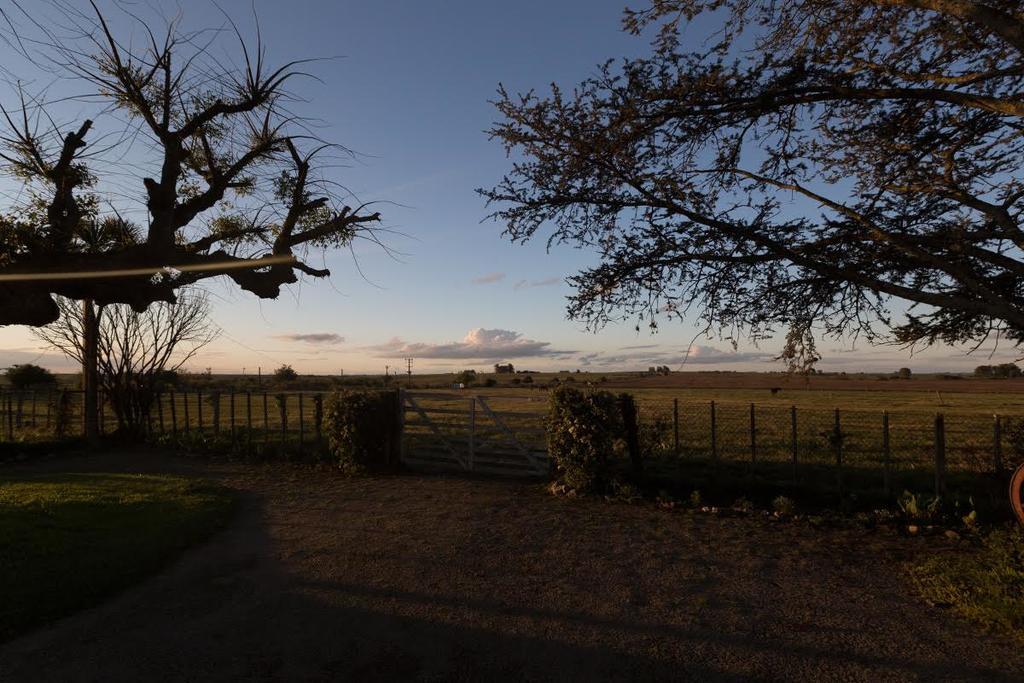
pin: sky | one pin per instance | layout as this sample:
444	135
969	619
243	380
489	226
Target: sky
408	89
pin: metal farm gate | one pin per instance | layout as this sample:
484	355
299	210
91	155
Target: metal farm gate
495	435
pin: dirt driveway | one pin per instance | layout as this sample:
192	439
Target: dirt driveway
432	578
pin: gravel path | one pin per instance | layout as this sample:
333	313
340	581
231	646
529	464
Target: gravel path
434	578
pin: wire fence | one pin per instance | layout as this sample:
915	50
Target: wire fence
888	444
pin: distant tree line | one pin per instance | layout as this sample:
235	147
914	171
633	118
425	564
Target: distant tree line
1001	371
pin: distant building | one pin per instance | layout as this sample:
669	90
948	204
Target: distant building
506	369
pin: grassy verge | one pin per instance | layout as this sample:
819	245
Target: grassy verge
986	586
68	540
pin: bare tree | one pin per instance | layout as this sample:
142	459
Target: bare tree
134	350
805	164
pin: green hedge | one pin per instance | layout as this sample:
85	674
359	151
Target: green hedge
362	429
583	427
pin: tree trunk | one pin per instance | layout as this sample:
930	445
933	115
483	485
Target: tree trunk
90	376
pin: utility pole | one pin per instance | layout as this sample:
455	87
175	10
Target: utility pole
408	366
387	373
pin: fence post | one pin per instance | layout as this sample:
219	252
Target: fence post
318	416
10	417
188	427
401	425
282	401
231	414
199	409
838	436
248	422
714	434
302	427
753	436
472	431
997	443
34	423
675	427
793	441
940	454
266	421
49	406
174	417
627	406
215	398
886	456
160	410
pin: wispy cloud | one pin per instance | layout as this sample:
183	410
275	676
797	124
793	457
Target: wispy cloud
654	354
488	279
546	282
477	344
311	337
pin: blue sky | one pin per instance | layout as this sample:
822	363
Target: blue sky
409	92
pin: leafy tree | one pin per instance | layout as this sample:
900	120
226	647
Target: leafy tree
807	164
285	373
904	373
466	377
28	375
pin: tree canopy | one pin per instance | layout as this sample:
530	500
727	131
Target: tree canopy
806	164
230	179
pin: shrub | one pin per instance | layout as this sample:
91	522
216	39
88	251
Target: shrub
28	375
903	373
582	429
285	373
490	382
466	377
784	506
362	429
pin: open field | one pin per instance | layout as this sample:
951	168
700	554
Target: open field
436	578
69	540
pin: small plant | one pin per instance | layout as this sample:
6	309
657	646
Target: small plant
916	508
783	506
743	505
695	500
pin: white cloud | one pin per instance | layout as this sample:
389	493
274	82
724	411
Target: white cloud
477	344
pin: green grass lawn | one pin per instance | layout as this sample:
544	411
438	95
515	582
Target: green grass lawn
68	540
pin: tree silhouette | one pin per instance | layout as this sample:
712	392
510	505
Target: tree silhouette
806	165
239	185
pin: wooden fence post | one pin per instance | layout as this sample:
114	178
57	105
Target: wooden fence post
793	441
49	406
838	437
302	427
266	421
753	436
318	417
199	409
160	410
940	455
215	402
997	443
188	427
248	422
675	427
472	432
33	400
231	414
174	417
282	401
10	418
714	434
627	406
886	456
